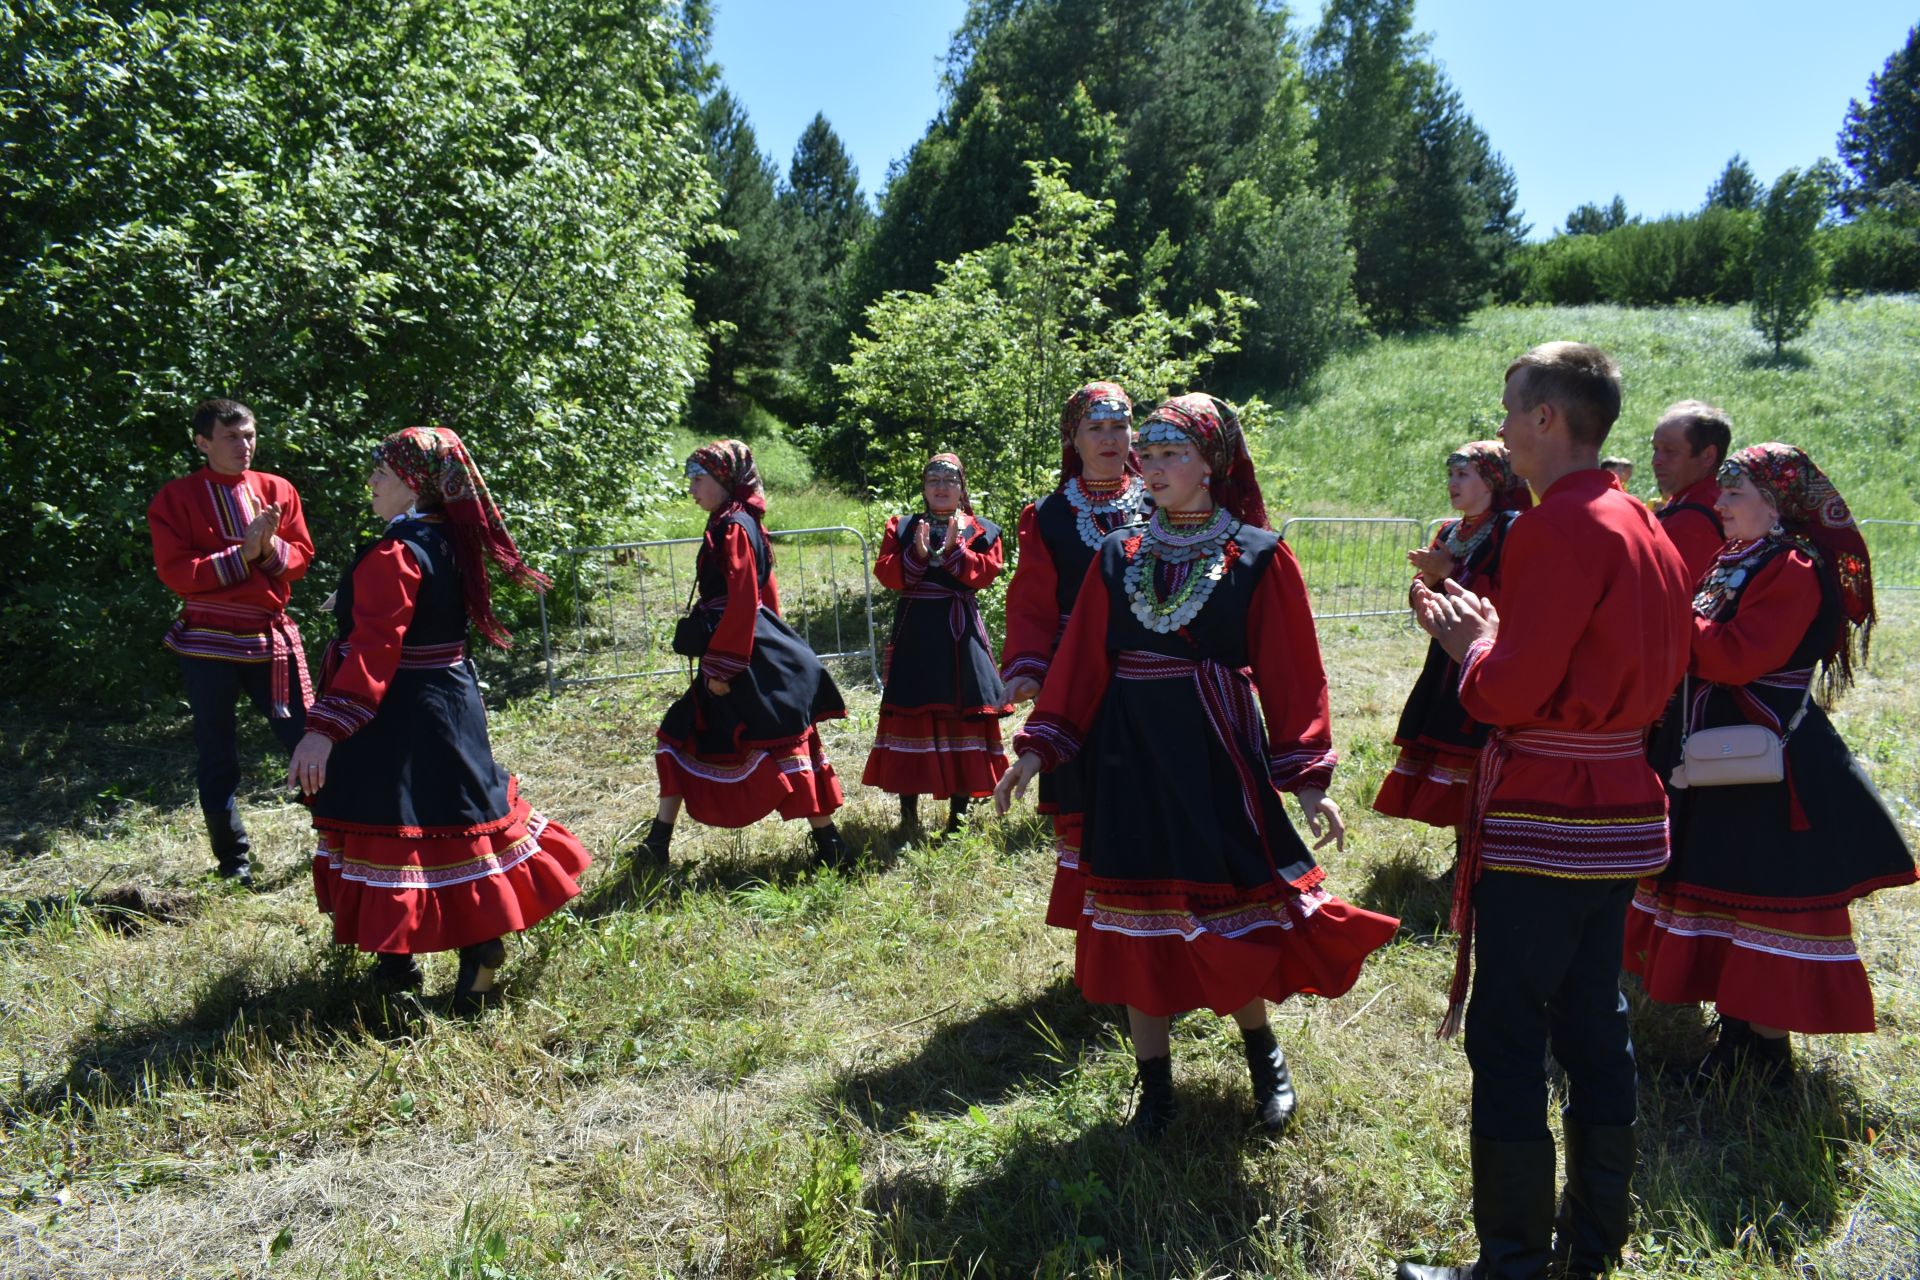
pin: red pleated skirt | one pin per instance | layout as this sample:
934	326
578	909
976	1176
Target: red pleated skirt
936	753
792	779
419	893
1428	784
1794	969
1067	900
1167	962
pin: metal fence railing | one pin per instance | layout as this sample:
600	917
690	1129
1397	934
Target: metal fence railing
624	598
1895	545
1355	567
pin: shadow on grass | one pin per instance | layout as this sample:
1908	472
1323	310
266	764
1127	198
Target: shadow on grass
1791	359
114	1064
60	772
123	909
1416	890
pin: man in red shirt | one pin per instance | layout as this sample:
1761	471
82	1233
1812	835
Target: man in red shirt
231	542
1689	444
1566	814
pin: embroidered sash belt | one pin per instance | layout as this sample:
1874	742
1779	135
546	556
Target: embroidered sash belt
281	637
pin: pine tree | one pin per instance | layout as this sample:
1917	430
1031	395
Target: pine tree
827	216
1736	187
1880	142
1788	274
1591	219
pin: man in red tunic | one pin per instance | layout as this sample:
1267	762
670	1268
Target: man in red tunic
231	542
1565	815
1689	444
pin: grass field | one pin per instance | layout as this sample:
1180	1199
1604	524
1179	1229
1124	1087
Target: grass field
749	1069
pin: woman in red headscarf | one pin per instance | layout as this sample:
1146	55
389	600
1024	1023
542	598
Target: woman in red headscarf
1751	913
1438	741
1190	681
1099	491
740	743
425	842
940	713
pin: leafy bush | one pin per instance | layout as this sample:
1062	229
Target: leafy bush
353	217
1878	252
1699	257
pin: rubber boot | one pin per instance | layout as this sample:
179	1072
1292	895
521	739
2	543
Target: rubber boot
1596	1210
1512	1214
1273	1097
829	848
1154	1112
474	986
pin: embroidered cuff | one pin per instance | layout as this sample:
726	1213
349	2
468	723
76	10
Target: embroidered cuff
231	566
913	564
1309	769
715	665
338	718
1027	665
1475	651
1050	739
274	562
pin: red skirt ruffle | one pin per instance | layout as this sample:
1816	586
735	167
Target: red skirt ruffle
1428	784
1167	962
794	780
1797	970
936	753
414	894
1067	900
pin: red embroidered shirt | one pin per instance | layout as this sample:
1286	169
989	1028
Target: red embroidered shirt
1693	532
229	604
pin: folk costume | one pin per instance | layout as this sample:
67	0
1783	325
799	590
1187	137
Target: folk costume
1693	526
233	634
1189	682
425	843
1438	741
1058	537
940	711
1752	914
735	758
1565	815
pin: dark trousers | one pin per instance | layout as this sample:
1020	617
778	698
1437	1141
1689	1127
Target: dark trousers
213	690
1547	969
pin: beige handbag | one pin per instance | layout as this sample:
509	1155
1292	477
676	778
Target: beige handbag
1735	754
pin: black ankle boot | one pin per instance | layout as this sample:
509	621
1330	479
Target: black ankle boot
232	850
652	851
1596	1211
396	972
1154	1112
829	849
1512	1214
910	814
1769	1062
957	813
473	960
1729	1047
1273	1096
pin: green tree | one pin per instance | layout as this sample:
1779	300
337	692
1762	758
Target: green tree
1736	188
982	362
1290	258
353	218
1880	140
1788	274
1591	219
827	217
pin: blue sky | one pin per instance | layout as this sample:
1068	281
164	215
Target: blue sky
1647	98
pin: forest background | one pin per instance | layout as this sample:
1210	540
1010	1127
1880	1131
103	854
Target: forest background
558	232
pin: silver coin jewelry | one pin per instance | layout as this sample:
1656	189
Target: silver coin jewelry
1204	551
1095	518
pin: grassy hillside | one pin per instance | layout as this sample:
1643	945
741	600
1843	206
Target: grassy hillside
1372	432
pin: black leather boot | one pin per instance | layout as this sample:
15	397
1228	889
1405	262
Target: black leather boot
1596	1210
1154	1112
652	851
1729	1047
957	813
910	814
396	972
1512	1214
474	987
232	851
829	848
1273	1097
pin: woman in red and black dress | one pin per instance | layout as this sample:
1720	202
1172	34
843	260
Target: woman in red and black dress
1099	491
1438	741
425	842
1187	633
939	731
740	743
1752	911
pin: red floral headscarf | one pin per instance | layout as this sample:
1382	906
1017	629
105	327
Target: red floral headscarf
1490	461
1814	514
1214	427
730	463
1095	400
433	462
947	466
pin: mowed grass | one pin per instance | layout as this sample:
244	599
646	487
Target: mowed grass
748	1068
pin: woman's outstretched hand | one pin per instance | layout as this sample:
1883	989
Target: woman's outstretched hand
1321	811
1014	781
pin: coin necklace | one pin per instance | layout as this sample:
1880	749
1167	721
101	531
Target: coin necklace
1202	560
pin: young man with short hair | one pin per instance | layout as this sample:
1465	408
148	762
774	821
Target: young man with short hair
1566	815
231	542
1689	444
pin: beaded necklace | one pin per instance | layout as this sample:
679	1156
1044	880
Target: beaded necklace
1732	569
1462	548
1195	560
1100	506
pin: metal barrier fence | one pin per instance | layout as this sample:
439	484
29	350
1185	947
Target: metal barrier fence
626	597
1355	567
1895	545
